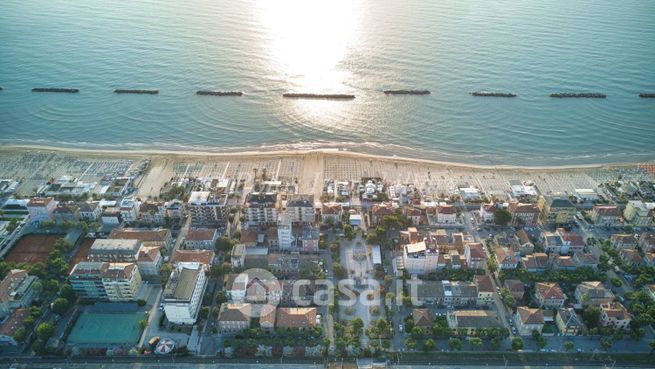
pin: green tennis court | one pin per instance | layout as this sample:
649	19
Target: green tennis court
95	328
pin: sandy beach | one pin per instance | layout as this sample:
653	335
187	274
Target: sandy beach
34	164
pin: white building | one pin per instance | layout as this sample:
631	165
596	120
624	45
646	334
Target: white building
418	259
149	261
201	239
121	281
284	234
262	208
469	193
207	210
129	208
183	293
40	208
301	209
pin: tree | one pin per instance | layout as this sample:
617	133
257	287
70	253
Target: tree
143	323
165	273
225	244
387	280
591	316
652	346
502	217
606	343
410	343
568	345
44	331
13	224
21	334
429	345
417	332
349	232
60	306
455	344
475	342
66	291
517	343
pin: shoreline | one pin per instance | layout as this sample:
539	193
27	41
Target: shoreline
297	153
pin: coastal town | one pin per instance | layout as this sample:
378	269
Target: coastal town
321	256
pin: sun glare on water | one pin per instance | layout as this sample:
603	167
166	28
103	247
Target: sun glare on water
306	40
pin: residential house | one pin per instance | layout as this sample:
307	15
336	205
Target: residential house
606	215
515	288
476	256
332	212
89	211
422	318
592	293
234	318
10	326
567	321
183	293
121	281
308	239
485	289
111	216
615	315
459	293
262	208
291	264
267	317
205	257
558	210
413	214
523	244
583	259
487	212
379	211
149	261
429	292
623	241
536	263
66	212
236	287
207	210
549	295
523	214
201	238
446	214
152	213
114	250
296	317
17	290
563	242
631	257
647	241
174	209
561	262
528	320
41	208
506	259
160	238
472	320
301	209
639	213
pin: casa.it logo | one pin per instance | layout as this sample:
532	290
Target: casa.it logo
259	289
